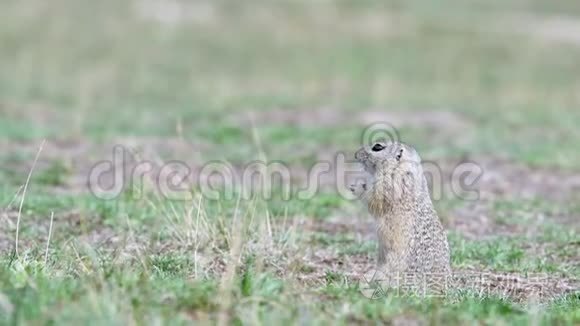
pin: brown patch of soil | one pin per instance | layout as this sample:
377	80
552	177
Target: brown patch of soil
324	260
66	225
341	225
531	288
503	179
474	221
319	259
479	220
507	181
514	180
79	157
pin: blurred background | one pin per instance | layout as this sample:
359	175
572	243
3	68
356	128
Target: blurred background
491	81
456	77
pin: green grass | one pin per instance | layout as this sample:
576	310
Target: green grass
245	81
163	288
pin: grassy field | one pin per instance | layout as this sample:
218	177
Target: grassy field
494	82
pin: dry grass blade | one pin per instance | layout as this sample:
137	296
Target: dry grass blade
48	240
24	195
228	277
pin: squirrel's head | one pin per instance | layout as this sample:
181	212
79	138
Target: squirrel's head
389	157
395	169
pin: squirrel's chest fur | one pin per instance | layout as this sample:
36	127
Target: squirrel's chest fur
411	237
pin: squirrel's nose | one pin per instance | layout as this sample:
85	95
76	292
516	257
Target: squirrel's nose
361	154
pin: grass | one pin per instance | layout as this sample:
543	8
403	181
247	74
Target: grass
291	82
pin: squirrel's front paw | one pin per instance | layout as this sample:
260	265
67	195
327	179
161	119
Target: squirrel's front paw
358	188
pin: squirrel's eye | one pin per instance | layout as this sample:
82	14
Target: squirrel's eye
399	154
378	147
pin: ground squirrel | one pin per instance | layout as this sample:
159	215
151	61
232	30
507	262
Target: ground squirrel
411	237
412	240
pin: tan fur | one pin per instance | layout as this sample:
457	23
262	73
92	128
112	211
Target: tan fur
410	235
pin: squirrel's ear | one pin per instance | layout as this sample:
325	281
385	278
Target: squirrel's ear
399	154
